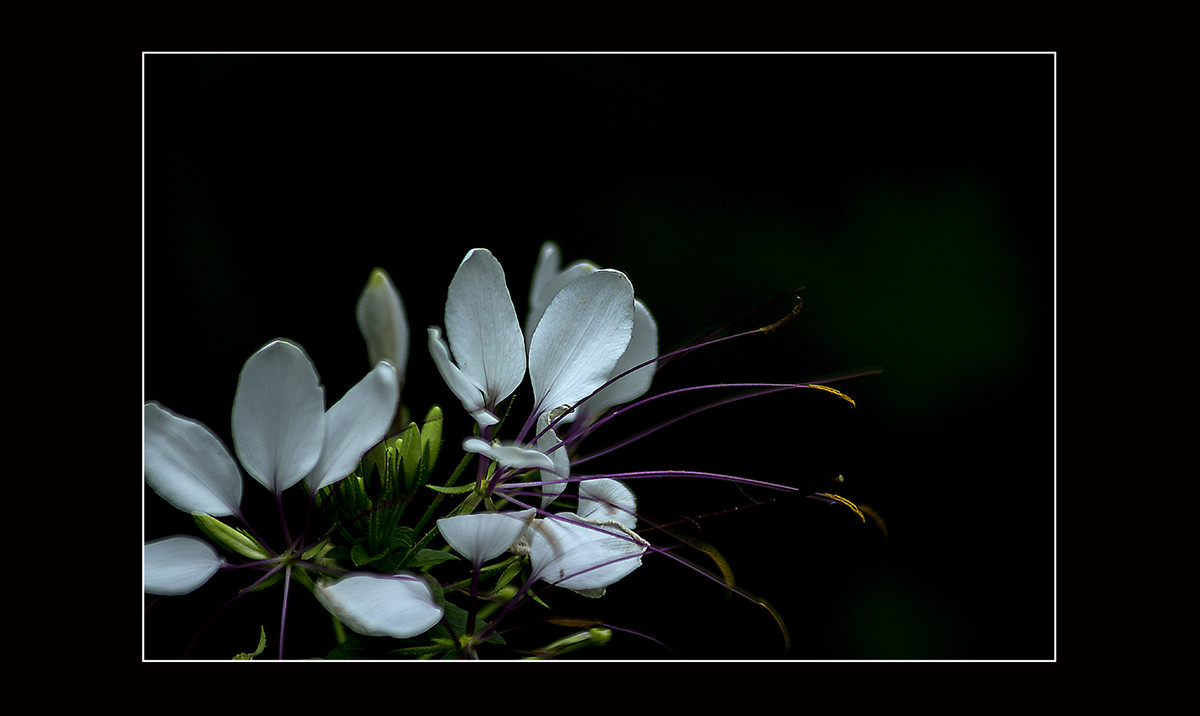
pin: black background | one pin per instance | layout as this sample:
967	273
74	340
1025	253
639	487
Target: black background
910	195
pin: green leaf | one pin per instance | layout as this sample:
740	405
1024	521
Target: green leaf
359	554
437	647
511	571
262	644
456	617
430	557
356	646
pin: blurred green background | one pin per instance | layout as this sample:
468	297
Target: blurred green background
910	196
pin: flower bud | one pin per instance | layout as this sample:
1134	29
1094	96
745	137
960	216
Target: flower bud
231	538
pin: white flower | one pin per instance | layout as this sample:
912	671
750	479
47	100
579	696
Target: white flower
582	332
281	432
580	326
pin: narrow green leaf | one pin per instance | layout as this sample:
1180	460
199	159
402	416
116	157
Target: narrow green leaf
313	551
511	571
460	490
430	557
262	644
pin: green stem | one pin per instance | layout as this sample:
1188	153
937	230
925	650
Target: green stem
437	500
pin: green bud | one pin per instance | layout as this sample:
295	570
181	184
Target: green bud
431	438
410	456
600	636
231	538
596	636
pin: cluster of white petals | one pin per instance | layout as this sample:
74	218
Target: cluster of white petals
549	279
584	551
282	435
584	328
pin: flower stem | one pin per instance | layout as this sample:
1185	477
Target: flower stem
287	583
433	505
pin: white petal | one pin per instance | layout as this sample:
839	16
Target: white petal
383	323
606	500
582	556
279	415
562	462
548	280
482	328
187	465
355	423
484	535
643	346
513	456
548	263
463	388
583	333
399	606
178	565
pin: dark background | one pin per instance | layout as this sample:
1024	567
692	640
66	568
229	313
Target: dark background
910	195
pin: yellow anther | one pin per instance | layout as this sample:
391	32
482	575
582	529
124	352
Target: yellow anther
836	392
779	324
844	501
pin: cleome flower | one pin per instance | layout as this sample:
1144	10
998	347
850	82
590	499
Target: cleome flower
283	435
580	331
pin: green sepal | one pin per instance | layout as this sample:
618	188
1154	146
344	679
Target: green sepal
317	551
231	538
537	599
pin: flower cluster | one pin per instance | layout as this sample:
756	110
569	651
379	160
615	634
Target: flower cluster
378	562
